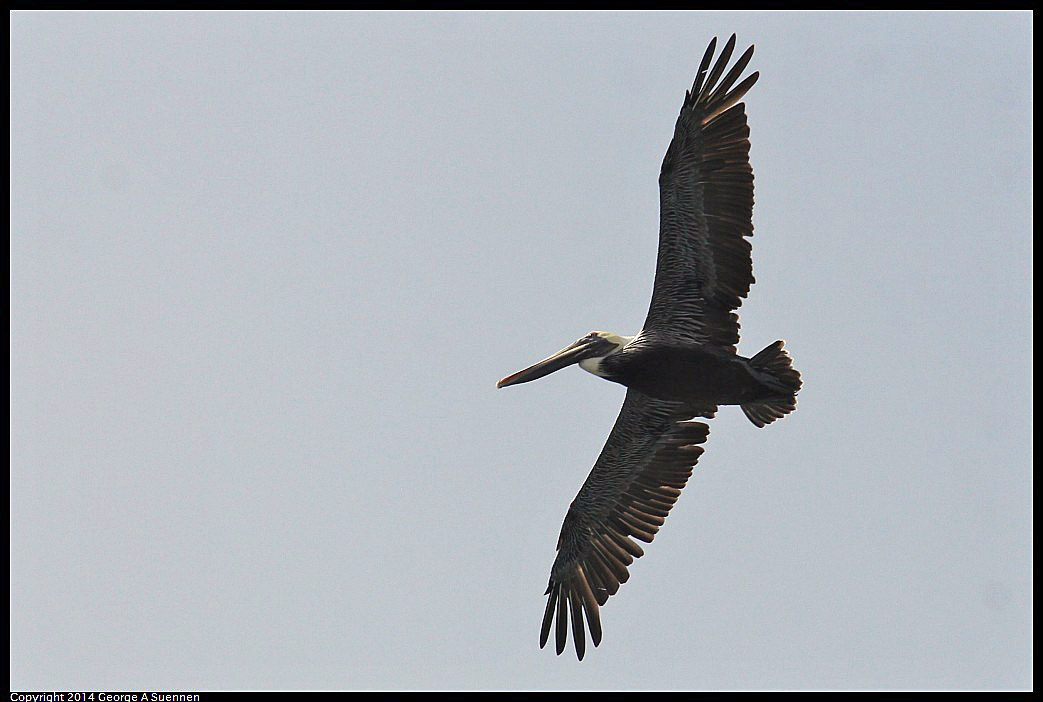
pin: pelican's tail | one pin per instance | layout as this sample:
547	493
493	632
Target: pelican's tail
777	364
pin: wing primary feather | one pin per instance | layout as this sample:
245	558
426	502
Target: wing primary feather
732	75
635	523
646	507
637	532
639	512
612	545
590	606
578	636
606	579
722	63
598	580
548	614
700	75
733	97
630	547
562	630
617	567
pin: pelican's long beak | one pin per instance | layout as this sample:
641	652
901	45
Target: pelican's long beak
587	347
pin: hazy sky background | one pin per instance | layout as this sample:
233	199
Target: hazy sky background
266	270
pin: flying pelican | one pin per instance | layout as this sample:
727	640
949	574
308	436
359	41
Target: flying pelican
682	364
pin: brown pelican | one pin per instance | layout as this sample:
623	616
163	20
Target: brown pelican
682	364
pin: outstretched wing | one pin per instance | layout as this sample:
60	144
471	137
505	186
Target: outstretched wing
706	210
646	461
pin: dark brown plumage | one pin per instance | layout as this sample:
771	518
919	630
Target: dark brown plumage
705	212
637	478
681	365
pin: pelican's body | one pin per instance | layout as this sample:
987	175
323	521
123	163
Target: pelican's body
699	376
682	364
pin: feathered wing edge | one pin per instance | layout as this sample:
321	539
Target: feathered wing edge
583	581
705	265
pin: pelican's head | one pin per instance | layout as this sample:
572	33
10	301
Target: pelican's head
587	352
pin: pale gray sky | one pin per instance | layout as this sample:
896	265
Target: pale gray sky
266	270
